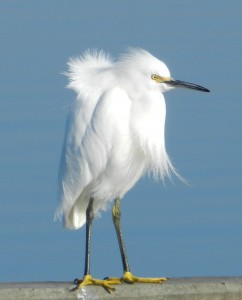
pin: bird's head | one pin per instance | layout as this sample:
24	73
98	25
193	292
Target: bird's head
143	72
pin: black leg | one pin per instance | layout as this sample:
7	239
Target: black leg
127	277
116	221
87	278
89	219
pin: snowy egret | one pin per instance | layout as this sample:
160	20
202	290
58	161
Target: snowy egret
115	134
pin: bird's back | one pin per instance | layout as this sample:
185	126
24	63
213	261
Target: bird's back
76	166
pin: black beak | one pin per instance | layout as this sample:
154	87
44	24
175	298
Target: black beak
187	85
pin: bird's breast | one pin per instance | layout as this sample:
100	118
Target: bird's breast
148	120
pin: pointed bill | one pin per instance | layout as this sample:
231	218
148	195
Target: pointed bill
187	85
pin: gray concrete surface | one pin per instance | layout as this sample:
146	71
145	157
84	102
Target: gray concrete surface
206	288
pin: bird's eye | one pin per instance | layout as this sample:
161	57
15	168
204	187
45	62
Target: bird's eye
154	77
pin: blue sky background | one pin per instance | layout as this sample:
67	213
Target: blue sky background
174	231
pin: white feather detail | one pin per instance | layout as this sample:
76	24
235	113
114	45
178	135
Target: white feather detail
114	133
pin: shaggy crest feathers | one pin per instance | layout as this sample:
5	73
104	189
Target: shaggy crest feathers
133	61
84	72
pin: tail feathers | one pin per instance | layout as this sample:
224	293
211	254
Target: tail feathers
75	217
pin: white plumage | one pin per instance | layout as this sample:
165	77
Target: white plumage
115	130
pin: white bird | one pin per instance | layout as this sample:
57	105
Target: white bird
115	134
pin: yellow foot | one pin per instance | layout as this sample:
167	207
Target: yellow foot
105	283
129	278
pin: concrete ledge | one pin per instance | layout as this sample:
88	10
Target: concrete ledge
204	288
